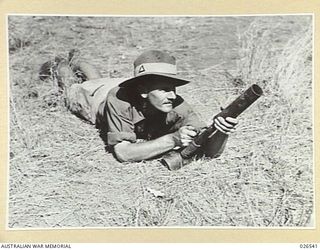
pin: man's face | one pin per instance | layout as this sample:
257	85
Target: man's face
161	95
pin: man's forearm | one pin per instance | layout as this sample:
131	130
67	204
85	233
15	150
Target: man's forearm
130	152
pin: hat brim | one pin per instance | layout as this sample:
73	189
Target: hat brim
144	78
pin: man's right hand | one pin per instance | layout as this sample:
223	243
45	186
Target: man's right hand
184	135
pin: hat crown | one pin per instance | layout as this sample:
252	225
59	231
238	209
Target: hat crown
154	56
152	65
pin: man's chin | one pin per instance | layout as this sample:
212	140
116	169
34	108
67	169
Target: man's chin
166	108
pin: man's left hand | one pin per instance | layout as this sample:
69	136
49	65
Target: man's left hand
225	125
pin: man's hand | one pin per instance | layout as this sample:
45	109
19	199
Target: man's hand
225	125
184	135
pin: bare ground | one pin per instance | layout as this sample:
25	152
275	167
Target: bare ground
61	176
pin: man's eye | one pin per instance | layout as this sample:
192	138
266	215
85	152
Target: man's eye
169	90
163	90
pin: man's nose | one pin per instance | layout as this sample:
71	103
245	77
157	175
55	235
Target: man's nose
171	95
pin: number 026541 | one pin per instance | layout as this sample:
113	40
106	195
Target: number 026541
308	246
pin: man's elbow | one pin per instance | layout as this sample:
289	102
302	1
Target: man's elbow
120	152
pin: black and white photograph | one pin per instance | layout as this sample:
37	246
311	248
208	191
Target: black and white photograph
166	121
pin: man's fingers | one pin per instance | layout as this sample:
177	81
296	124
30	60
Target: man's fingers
185	142
188	133
220	127
223	130
223	126
196	130
184	135
224	123
190	127
232	120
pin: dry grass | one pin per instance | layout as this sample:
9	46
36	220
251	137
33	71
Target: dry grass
61	176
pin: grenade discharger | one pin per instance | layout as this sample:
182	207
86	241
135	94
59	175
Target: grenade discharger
174	160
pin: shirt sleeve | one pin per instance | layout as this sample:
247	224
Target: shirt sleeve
119	120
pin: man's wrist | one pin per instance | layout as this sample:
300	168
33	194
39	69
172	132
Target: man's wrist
171	140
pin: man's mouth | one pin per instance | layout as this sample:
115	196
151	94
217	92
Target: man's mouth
167	103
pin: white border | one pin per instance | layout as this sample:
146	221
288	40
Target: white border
8	125
314	214
100	15
165	227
